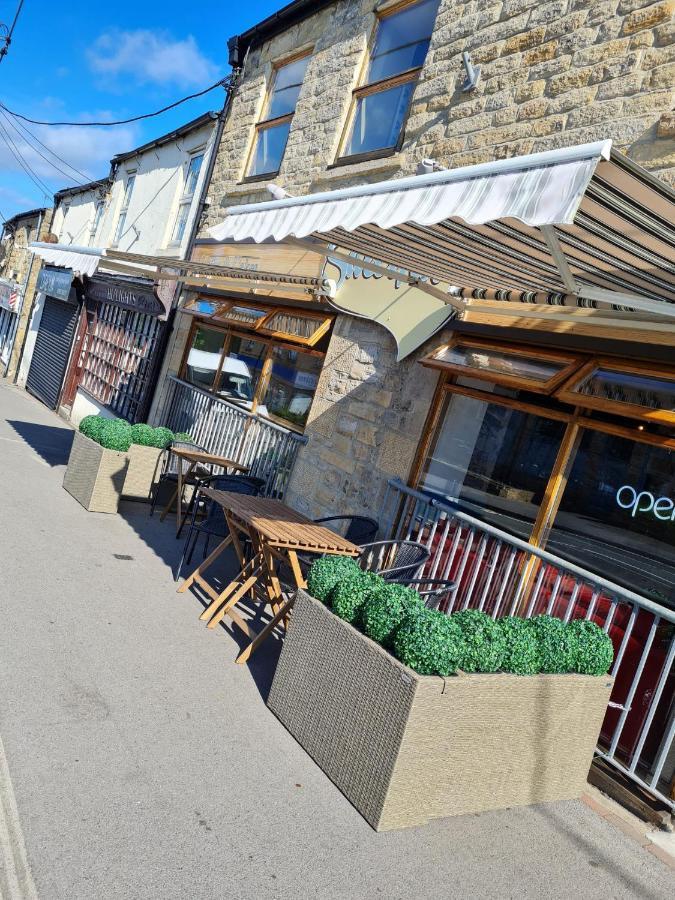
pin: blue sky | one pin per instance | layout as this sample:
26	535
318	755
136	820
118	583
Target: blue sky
84	61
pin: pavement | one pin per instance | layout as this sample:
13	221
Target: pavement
145	764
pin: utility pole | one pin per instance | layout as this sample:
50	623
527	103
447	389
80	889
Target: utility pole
8	32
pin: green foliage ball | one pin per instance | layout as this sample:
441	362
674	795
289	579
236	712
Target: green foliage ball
484	642
142	434
92	427
350	593
521	656
161	437
326	572
429	642
595	652
386	607
183	436
116	435
557	644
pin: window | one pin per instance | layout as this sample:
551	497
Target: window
128	189
241	370
62	233
380	105
272	133
525	368
493	460
98	214
299	327
203	359
292	384
187	197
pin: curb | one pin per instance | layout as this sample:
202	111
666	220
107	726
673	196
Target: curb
16	880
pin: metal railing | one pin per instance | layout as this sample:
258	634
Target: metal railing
268	450
504	575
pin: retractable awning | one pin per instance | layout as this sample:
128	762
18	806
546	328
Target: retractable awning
581	226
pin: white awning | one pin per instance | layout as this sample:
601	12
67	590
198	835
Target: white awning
582	222
82	260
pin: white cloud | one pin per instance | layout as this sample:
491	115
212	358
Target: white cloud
151	57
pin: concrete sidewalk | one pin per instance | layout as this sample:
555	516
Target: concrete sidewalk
146	765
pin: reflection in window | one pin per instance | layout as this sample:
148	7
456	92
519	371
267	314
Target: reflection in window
272	132
203	357
241	370
380	104
617	514
495	461
635	389
292	385
500	362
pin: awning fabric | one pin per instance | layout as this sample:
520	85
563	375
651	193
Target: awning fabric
582	221
83	260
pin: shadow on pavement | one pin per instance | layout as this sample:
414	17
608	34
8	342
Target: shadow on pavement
48	441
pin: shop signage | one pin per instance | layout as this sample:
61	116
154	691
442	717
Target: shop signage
10	295
55	282
131	296
662	508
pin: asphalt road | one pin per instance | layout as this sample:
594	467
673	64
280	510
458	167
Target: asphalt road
146	765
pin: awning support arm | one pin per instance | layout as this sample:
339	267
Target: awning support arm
378	268
559	258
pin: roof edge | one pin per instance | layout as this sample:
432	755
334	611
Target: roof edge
193	125
278	22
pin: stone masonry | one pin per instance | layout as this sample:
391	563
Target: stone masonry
553	74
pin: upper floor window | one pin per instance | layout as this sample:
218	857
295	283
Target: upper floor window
189	188
65	209
128	190
380	105
272	132
96	221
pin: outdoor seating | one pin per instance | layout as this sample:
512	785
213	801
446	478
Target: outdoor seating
169	475
393	560
357	529
437	593
214	523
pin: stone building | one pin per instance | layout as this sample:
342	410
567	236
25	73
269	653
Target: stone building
552	74
18	277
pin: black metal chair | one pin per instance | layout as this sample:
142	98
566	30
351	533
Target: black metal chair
359	529
437	593
169	474
393	560
214	523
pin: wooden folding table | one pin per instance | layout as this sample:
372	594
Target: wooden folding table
277	534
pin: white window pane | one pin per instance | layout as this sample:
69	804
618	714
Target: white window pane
181	222
193	174
128	189
120	225
269	149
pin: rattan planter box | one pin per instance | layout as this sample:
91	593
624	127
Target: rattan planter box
145	465
406	748
95	476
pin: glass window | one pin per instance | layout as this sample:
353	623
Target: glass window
642	395
203	357
241	370
272	133
193	174
400	47
305	328
245	315
187	197
126	200
98	215
493	460
617	514
293	381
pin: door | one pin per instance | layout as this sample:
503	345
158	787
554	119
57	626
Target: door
52	350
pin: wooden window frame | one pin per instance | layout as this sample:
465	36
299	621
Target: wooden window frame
568	392
263	124
522	383
377	87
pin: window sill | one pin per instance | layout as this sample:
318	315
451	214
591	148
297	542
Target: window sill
349	167
360	158
256	179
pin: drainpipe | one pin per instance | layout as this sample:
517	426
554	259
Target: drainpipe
25	286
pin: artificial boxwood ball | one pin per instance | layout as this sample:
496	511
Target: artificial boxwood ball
484	642
92	427
557	644
384	610
595	651
325	573
142	435
351	592
116	435
429	642
182	436
161	437
521	656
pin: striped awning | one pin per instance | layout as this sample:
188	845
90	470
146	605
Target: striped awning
583	224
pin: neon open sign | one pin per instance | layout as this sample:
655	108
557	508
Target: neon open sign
662	508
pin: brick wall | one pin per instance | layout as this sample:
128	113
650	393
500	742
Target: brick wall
553	74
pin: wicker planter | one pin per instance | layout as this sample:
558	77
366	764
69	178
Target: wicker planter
406	748
95	476
145	465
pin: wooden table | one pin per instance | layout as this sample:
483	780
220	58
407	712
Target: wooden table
277	534
194	458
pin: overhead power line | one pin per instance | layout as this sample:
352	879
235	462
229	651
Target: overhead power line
9	32
221	83
24	165
39	152
31	134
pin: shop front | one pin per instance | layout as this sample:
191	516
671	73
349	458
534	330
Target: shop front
11	297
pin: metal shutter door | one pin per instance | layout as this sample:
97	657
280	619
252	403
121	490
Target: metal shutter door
52	350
